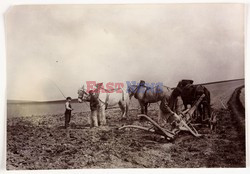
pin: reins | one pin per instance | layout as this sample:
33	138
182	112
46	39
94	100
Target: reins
57	87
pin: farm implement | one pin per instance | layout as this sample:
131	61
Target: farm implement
179	122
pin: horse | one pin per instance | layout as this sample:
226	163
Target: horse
107	98
146	95
191	93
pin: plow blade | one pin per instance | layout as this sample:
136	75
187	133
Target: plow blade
167	134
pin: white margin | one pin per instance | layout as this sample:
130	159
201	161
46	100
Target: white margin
5	4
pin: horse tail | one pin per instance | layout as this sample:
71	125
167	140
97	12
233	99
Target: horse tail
123	95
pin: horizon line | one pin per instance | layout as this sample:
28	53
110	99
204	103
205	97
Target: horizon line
17	101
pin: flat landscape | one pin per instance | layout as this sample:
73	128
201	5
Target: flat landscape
38	141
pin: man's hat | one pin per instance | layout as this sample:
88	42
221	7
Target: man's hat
68	98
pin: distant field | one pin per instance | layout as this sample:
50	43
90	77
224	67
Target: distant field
220	93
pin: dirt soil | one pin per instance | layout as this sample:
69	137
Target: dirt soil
41	142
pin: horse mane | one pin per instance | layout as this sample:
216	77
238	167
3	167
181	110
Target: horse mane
166	87
129	88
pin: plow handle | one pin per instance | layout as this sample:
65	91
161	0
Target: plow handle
191	111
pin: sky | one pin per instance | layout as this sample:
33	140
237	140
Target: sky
67	45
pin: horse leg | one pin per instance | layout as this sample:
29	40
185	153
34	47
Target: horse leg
203	113
122	107
93	118
200	115
142	108
125	105
185	105
209	110
99	116
163	117
90	120
127	108
160	117
146	108
102	117
91	123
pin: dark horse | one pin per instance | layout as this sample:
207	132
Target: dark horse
190	94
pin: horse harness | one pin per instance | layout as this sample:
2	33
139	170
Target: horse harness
147	88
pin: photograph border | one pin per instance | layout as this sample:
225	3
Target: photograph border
5	5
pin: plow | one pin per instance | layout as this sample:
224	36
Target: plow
179	122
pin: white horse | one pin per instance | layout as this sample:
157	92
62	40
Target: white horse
107	99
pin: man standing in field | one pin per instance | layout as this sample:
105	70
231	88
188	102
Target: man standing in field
94	107
68	110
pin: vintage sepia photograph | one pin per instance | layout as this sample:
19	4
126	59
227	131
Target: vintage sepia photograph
125	86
